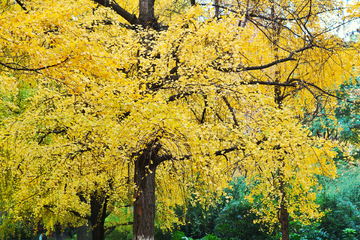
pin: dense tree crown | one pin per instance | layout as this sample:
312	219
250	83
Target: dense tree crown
98	96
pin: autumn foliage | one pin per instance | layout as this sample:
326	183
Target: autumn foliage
195	98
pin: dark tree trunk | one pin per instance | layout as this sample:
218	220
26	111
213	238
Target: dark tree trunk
147	14
84	232
98	203
283	215
217	9
144	205
284	222
59	235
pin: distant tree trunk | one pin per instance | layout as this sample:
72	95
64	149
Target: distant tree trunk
144	205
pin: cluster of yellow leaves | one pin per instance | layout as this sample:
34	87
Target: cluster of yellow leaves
292	156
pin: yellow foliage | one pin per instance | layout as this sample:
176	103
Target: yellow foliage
202	90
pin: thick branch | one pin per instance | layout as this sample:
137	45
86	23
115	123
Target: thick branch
131	18
21	5
227	150
79	215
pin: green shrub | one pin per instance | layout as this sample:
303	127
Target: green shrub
236	221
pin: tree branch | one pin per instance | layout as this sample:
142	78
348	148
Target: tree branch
242	69
260	67
22	5
131	18
231	110
32	69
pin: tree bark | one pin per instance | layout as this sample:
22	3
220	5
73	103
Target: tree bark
98	205
84	232
59	235
217	9
131	18
147	14
283	215
284	221
144	205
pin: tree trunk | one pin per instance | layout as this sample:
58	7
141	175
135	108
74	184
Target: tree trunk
284	222
147	14
144	205
217	9
59	235
98	205
84	232
283	215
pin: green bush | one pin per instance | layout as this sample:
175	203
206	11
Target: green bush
341	214
178	235
339	199
236	221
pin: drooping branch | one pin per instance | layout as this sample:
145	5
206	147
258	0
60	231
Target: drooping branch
227	150
32	69
261	67
285	84
323	91
180	95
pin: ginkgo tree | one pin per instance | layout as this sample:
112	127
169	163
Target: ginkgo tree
129	91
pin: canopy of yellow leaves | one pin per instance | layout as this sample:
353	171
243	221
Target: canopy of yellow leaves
103	92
